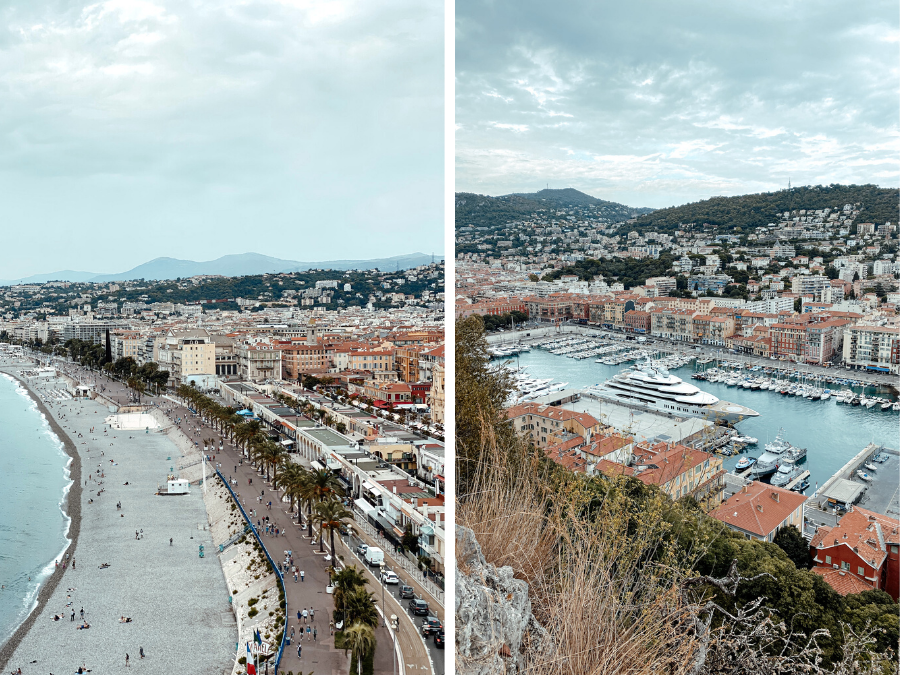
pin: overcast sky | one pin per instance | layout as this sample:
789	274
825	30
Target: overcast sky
657	103
305	130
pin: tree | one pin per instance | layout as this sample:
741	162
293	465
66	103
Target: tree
798	305
360	640
533	277
330	515
359	607
789	540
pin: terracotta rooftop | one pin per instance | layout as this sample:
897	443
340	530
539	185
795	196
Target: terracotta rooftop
758	508
866	532
841	581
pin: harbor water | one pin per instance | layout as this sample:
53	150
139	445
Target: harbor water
832	433
33	526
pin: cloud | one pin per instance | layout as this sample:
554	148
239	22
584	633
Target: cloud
655	103
304	129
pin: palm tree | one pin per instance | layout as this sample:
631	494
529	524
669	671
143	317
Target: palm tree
359	605
360	640
330	515
319	485
292	476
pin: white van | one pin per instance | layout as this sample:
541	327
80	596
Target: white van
373	556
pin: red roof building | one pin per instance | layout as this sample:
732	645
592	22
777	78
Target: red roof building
864	546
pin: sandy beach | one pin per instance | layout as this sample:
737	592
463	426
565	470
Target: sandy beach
178	602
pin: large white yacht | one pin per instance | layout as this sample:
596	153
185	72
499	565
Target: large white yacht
655	389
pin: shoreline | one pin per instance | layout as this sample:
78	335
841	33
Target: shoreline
72	509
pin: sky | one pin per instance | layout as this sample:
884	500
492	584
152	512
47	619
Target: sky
658	103
133	129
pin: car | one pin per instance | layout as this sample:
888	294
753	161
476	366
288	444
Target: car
418	607
362	548
406	592
431	625
439	639
388	577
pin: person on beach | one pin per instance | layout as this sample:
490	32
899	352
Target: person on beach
302	574
308	632
312	614
127	658
142	652
305	615
299	650
315	633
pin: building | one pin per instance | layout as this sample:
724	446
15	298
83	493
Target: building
258	362
874	348
189	356
759	510
436	395
680	471
547	424
860	553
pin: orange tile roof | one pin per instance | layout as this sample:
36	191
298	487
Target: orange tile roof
757	510
866	532
551	412
841	581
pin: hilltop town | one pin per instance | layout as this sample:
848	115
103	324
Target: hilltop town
812	285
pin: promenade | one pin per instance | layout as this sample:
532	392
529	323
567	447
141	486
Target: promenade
318	655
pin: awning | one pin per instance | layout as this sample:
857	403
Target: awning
878	369
364	506
245	412
317	465
367	485
287	441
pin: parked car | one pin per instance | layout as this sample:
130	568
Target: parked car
406	592
418	607
439	639
431	625
390	578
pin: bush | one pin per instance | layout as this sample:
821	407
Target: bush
253	612
252	601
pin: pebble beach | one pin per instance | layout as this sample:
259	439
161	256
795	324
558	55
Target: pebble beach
177	601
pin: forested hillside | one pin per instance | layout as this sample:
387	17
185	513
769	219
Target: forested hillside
878	205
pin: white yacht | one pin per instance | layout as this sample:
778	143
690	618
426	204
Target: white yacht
657	390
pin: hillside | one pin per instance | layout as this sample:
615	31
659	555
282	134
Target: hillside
491	212
758	210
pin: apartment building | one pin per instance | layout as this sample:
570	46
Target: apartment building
546	425
258	362
299	357
681	471
875	348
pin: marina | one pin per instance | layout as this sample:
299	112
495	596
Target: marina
830	432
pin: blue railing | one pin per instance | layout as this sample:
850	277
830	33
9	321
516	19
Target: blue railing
271	562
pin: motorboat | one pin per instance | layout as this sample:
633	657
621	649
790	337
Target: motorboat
745	463
745	440
864	476
870	467
784	475
801	486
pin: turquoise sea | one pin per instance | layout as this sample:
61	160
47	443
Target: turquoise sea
33	527
831	433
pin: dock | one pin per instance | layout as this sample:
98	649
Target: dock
796	481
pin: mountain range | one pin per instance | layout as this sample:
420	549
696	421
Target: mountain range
229	265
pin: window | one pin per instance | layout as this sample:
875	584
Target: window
860	571
827	559
845	566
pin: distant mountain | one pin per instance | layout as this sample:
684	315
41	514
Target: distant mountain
745	212
486	211
244	264
64	275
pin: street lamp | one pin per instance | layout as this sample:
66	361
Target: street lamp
383	606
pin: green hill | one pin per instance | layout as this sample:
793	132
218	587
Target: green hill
491	212
878	205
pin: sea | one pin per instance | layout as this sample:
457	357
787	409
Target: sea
34	469
832	433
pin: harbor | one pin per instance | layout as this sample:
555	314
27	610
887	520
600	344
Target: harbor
831	432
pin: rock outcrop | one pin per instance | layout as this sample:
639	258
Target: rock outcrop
495	629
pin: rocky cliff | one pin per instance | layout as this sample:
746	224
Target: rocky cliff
495	629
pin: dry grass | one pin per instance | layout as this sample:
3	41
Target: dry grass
608	610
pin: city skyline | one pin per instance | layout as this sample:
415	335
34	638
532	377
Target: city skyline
202	130
677	104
